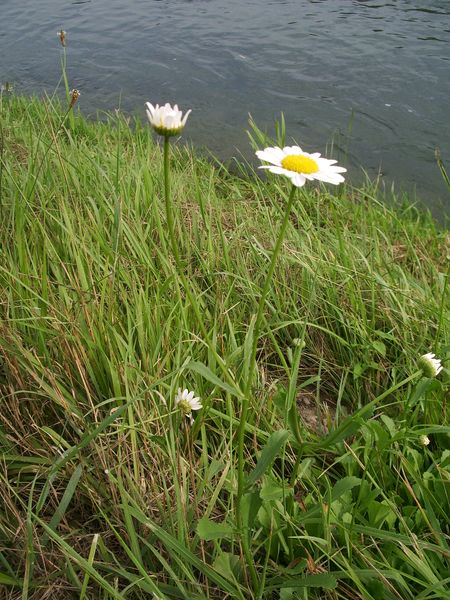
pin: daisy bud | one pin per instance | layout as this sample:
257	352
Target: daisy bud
424	440
165	120
430	365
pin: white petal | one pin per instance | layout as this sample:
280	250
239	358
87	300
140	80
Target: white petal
275	169
293	150
329	178
298	180
150	107
273	155
183	122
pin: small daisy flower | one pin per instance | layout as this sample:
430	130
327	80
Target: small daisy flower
430	365
187	403
166	120
300	166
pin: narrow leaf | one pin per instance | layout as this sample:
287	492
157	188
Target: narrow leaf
206	372
270	451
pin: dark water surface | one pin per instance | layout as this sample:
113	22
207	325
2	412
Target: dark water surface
374	75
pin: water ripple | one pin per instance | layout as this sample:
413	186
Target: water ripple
318	61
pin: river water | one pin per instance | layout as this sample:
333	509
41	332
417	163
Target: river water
371	77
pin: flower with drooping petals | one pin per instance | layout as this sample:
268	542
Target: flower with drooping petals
301	166
430	365
166	120
186	402
62	37
74	95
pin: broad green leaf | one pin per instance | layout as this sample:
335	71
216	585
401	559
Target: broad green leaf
250	505
380	347
229	565
210	530
344	485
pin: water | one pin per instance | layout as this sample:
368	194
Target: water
372	75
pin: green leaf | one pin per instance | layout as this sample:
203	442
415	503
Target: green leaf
271	491
380	347
7	580
206	372
248	347
321	580
344	485
273	446
211	530
347	428
229	566
65	501
250	505
358	370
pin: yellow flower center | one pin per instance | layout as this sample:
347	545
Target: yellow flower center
299	164
185	407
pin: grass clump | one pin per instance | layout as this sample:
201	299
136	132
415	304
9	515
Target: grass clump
108	491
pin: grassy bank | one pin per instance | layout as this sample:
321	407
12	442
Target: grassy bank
108	491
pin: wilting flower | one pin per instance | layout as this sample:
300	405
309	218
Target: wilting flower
300	166
62	37
186	402
74	95
424	440
166	120
430	365
6	87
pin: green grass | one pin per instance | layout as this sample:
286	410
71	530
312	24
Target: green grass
107	492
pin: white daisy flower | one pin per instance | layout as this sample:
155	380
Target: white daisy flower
187	403
166	120
300	166
430	365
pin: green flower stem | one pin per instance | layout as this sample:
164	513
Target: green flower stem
251	369
169	212
186	284
194	304
66	86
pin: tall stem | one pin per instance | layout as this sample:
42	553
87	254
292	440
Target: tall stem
169	212
186	284
251	369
